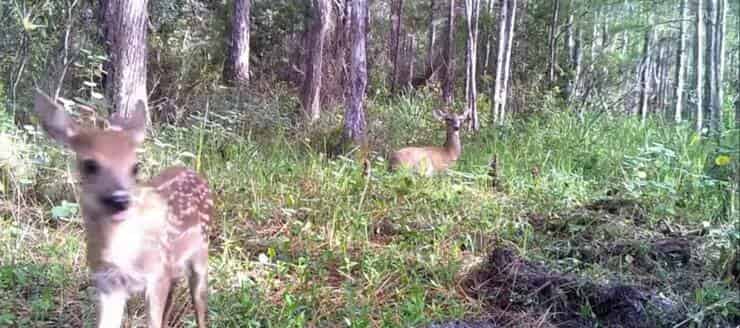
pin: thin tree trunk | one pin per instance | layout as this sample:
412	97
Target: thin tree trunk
471	92
552	41
571	48
411	59
737	91
320	13
645	75
719	44
681	63
355	124
398	23
710	89
625	33
489	38
699	65
432	37
503	62
125	34
236	68
448	90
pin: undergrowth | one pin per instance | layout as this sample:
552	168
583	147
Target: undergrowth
302	238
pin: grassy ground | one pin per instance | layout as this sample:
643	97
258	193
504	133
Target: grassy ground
304	240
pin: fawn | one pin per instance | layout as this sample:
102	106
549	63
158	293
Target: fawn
431	160
140	237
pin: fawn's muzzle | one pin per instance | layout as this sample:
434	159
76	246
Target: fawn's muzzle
117	201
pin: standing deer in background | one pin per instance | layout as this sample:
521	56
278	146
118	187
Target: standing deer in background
140	238
431	160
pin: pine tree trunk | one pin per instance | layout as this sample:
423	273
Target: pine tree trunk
552	41
448	89
471	92
125	35
699	65
320	13
236	68
398	23
355	124
507	59
681	64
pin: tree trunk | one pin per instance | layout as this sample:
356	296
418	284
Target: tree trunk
710	84
236	68
448	90
719	54
551	63
699	65
489	38
410	59
737	91
125	34
355	124
432	37
572	34
471	90
681	63
645	75
320	13
397	24
503	62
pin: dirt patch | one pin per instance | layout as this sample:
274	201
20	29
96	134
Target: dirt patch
508	283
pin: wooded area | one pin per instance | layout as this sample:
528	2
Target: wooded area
507	163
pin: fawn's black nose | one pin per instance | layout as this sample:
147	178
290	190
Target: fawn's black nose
117	201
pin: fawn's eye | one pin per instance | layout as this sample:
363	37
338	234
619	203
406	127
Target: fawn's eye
89	167
135	169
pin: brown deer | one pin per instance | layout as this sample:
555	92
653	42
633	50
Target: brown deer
140	237
431	160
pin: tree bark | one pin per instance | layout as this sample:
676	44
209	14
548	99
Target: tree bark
236	68
432	37
489	38
719	51
471	90
645	75
503	62
355	124
320	13
411	60
737	93
448	89
125	34
397	24
551	63
710	88
680	64
699	65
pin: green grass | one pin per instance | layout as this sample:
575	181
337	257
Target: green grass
304	240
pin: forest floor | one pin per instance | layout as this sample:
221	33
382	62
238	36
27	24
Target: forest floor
609	225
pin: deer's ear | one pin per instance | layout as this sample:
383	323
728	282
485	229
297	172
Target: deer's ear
134	125
54	119
438	114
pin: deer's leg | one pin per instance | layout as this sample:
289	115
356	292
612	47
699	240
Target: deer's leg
198	281
157	293
168	304
111	306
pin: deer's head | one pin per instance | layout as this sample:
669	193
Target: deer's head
106	159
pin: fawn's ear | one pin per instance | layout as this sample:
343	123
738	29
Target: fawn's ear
54	119
438	114
134	125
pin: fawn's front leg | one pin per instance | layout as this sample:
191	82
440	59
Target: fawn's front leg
157	295
111	306
198	283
